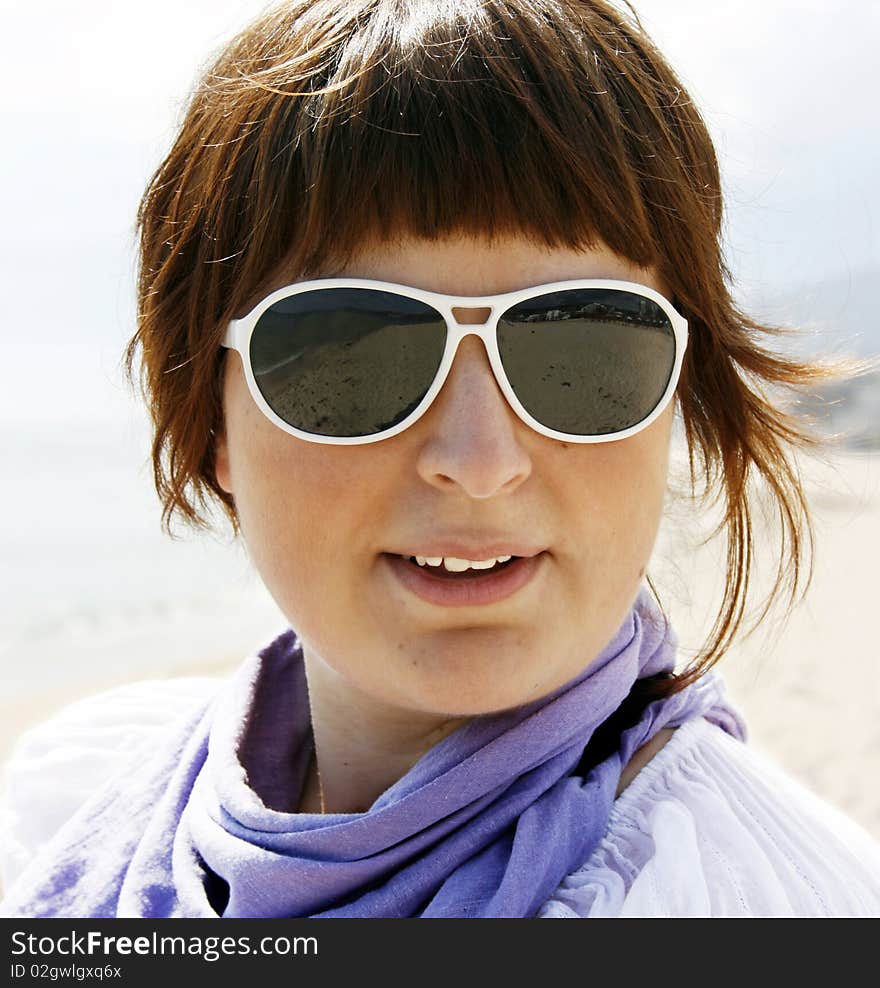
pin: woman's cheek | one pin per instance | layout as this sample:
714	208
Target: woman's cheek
620	508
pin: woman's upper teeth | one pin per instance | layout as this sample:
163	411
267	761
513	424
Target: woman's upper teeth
455	565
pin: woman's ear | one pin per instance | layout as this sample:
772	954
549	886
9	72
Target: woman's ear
221	461
221	445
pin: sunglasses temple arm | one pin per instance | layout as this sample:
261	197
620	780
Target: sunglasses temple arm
230	337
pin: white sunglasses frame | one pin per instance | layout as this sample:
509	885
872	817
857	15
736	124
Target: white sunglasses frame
239	331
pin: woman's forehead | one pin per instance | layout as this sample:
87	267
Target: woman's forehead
473	265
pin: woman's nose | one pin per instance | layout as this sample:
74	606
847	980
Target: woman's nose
473	438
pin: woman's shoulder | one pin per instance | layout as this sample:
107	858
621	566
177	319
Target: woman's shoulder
57	764
713	827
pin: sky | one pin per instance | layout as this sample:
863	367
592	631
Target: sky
92	92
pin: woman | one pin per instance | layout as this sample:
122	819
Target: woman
475	710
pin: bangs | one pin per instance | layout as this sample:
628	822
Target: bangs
458	125
413	119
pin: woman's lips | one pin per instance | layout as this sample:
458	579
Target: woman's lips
465	590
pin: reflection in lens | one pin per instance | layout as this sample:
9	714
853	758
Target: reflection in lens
346	361
587	361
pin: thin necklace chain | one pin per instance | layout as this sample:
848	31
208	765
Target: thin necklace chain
318	777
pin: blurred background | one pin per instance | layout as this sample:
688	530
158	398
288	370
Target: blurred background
94	595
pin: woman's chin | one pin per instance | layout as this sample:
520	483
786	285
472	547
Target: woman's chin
478	690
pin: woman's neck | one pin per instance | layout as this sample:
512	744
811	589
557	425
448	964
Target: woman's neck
362	745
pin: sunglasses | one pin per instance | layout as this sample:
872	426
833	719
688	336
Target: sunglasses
350	361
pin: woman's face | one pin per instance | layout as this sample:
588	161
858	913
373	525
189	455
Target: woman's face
322	522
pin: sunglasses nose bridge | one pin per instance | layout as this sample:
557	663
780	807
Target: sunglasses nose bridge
471	320
459	331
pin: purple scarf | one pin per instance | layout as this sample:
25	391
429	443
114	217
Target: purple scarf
487	823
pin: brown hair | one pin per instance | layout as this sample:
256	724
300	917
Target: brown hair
327	124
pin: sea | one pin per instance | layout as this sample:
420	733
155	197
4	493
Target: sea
93	591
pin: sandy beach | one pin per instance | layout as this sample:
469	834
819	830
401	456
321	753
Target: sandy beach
810	690
809	687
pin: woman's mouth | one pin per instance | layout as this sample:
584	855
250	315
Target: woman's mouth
452	583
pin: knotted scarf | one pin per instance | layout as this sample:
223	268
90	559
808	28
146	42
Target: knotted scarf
488	822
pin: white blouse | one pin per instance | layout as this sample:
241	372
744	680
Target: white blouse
709	827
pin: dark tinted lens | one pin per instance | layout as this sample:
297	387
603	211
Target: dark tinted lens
587	361
346	361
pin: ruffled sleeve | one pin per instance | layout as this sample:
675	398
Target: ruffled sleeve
711	827
55	766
